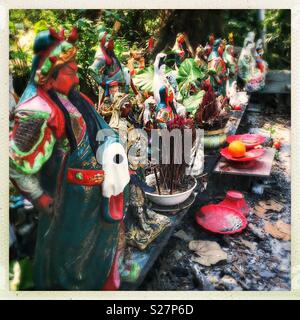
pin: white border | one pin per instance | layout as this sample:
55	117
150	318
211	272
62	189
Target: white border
148	4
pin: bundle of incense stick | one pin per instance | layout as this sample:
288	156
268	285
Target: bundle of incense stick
170	177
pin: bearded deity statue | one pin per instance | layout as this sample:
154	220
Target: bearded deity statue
73	177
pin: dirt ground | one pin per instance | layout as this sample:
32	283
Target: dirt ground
258	258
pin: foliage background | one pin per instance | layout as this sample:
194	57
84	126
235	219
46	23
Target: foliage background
136	28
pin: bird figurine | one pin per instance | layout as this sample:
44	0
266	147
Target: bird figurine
160	80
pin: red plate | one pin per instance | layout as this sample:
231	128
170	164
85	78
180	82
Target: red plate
220	219
249	155
250	140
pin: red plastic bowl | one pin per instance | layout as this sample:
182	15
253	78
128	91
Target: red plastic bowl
250	140
249	156
220	219
236	200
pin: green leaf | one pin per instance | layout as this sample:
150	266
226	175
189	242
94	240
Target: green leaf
189	73
192	102
144	79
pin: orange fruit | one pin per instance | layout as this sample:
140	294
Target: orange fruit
237	149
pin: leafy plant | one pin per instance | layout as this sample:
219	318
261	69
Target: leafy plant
278	38
40	26
21	274
190	75
122	46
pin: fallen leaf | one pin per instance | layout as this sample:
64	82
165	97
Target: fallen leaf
208	252
284	227
279	230
271	205
260	211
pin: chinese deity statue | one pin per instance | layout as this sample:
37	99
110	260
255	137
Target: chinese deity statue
106	67
149	118
182	48
75	180
231	38
123	118
231	61
249	72
200	56
209	45
261	64
217	67
110	75
136	62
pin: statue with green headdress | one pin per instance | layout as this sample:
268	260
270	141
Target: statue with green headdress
71	176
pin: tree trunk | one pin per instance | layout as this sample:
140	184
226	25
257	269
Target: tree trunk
198	24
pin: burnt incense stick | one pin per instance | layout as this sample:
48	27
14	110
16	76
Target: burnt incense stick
172	178
157	181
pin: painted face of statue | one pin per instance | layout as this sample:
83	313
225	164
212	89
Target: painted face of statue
125	109
65	78
180	38
221	48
